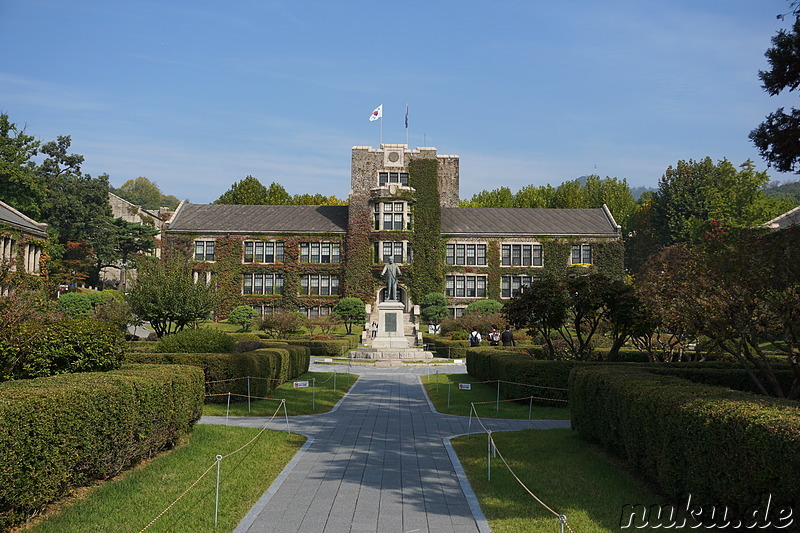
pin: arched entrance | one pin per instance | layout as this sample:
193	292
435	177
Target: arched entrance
401	291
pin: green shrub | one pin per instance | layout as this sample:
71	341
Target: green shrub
735	378
483	307
75	304
243	316
444	347
721	446
267	368
63	347
328	348
196	341
63	432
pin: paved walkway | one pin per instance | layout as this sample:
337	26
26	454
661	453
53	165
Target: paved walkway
380	461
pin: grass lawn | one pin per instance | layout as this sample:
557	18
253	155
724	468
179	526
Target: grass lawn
131	501
437	387
562	470
302	401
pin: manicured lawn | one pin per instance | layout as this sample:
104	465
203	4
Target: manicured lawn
299	401
130	502
485	396
558	467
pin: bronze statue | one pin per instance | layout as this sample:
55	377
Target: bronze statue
391	272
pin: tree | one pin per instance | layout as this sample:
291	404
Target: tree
165	295
282	325
145	193
483	307
434	308
502	197
532	196
20	187
541	308
350	311
243	316
248	191
778	137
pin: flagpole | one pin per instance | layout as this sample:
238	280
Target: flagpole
406	125
380	139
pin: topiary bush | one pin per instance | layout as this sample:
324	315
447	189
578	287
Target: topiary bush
75	304
63	432
243	316
196	341
721	446
66	346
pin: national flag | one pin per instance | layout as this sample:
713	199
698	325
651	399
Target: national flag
378	113
406	116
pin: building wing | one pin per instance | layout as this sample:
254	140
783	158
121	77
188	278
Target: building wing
254	219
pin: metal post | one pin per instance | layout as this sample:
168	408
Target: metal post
334	381
313	394
437	382
228	409
248	394
563	519
530	409
497	408
285	415
216	502
448	394
471	407
489	455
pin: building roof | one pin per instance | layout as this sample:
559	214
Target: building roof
15	219
251	219
789	218
528	221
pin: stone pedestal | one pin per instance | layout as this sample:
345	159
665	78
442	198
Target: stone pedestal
391	326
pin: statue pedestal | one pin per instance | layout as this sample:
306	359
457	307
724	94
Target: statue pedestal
391	326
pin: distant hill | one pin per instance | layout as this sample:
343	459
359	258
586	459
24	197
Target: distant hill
637	192
789	191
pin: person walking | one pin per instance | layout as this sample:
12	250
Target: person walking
507	337
494	337
474	338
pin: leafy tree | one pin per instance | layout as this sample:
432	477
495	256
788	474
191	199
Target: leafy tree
541	308
350	311
283	325
316	199
165	295
778	137
502	197
277	195
434	308
248	191
20	187
243	316
532	196
570	195
325	323
614	193
145	193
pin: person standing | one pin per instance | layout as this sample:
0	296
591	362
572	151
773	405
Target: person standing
374	329
507	337
494	336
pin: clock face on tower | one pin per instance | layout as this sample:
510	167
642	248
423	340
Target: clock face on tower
393	157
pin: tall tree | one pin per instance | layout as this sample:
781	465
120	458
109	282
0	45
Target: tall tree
533	196
778	137
145	193
248	191
20	187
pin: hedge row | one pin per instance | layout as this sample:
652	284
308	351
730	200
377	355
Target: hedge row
269	366
721	446
62	432
735	378
329	348
488	364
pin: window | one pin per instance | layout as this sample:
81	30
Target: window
521	255
319	284
511	285
265	310
315	312
399	251
392	216
385	178
263	252
456	312
466	254
320	252
203	250
260	283
465	286
581	253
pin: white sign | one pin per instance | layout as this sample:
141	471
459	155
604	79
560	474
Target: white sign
458	361
465	386
300	384
327	360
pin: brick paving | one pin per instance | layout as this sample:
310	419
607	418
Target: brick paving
380	461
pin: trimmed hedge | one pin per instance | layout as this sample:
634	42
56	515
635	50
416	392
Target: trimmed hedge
735	378
62	432
721	446
270	367
487	364
330	348
447	348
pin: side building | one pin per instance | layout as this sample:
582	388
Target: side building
403	205
22	240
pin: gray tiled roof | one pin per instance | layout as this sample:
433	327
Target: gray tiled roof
523	221
15	219
213	218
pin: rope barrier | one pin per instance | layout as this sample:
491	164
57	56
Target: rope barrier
245	396
523	398
216	462
496	451
530	385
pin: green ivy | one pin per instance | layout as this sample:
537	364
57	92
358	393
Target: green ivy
427	243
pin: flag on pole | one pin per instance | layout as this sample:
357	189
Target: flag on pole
378	113
406	116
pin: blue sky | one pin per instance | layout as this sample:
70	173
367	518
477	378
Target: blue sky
196	95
